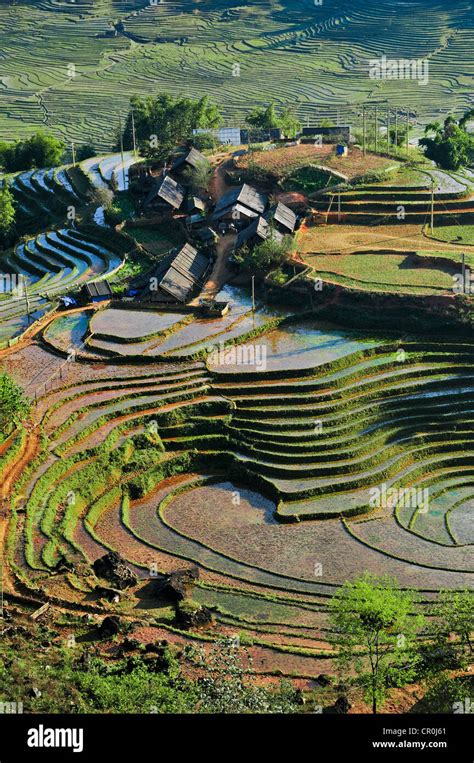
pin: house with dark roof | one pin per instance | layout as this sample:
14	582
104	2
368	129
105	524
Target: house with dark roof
192	158
166	195
242	202
96	291
179	275
283	218
259	230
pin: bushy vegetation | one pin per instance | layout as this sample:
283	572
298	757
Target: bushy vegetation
163	122
7	214
14	406
265	118
137	683
450	145
264	257
41	150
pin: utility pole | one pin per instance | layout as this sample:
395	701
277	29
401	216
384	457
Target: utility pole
73	154
338	206
25	281
364	130
463	271
432	204
396	129
253	294
388	129
408	130
121	154
134	136
376	127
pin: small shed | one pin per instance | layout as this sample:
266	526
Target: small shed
166	194
192	158
96	291
284	218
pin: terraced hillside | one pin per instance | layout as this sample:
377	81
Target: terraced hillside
49	265
262	475
45	197
389	204
73	67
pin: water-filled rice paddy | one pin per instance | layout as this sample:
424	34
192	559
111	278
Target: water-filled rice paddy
301	345
132	324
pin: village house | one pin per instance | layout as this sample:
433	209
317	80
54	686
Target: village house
191	158
179	275
95	291
165	197
284	219
259	230
241	205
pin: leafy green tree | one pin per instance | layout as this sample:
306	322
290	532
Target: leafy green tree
264	257
164	122
198	177
14	406
374	629
398	136
326	122
7	213
450	145
266	118
290	124
38	151
453	624
86	151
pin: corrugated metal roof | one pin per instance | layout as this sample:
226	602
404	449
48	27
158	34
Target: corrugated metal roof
98	289
192	157
184	273
236	210
168	190
259	228
245	195
285	216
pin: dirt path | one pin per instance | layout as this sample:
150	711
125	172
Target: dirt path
218	185
221	271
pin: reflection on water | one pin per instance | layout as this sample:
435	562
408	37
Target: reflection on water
301	345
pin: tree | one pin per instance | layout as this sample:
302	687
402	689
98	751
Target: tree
86	151
266	256
450	145
266	118
7	213
399	135
374	631
38	151
454	618
198	177
163	122
14	406
290	124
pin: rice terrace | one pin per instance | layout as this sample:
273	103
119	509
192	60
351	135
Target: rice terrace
237	356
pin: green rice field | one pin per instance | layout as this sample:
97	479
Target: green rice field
65	67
